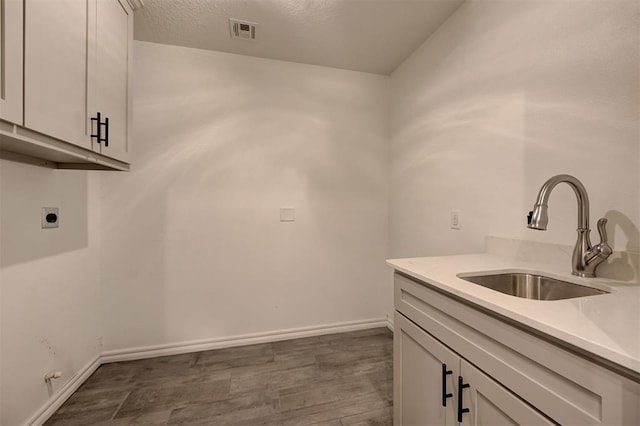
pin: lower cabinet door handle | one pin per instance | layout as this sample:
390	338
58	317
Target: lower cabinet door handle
461	410
445	395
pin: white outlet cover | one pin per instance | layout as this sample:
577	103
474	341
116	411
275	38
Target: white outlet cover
287	214
50	217
455	219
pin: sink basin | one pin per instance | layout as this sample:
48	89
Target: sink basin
530	286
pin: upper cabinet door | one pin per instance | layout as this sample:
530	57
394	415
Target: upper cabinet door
109	75
11	15
56	69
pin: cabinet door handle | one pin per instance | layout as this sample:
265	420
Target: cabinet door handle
98	133
106	131
445	395
461	411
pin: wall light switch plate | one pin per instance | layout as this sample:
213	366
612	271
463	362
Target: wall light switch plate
287	214
50	217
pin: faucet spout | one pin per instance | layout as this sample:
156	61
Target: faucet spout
585	258
539	217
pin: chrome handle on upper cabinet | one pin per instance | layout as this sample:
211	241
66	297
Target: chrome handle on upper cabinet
445	395
461	410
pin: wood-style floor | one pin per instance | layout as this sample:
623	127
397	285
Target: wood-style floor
337	379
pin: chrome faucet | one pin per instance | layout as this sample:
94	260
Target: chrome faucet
585	258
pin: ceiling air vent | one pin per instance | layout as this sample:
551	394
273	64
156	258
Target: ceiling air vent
242	30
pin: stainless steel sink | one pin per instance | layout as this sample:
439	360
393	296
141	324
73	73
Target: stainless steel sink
531	286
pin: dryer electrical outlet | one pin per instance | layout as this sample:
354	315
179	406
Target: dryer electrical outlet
50	217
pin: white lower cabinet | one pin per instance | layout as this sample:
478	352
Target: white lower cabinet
435	386
491	404
424	377
457	365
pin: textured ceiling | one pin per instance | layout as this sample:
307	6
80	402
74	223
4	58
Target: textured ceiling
362	35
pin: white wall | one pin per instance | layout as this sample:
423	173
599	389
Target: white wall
49	283
192	243
503	96
189	246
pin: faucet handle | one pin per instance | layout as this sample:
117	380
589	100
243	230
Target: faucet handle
603	250
598	253
602	230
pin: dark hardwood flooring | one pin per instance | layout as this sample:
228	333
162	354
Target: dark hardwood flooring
335	380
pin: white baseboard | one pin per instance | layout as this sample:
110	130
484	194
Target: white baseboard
143	352
389	323
56	401
241	340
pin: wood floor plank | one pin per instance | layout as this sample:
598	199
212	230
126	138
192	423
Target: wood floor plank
335	422
152	398
269	367
154	418
243	417
94	405
381	417
330	380
323	392
274	380
239	356
332	410
263	404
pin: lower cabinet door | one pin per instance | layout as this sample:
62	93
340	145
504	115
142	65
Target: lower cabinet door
490	404
424	373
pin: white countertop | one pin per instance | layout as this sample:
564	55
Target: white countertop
606	325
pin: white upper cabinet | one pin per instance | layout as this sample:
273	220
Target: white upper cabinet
77	67
56	69
11	12
109	71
